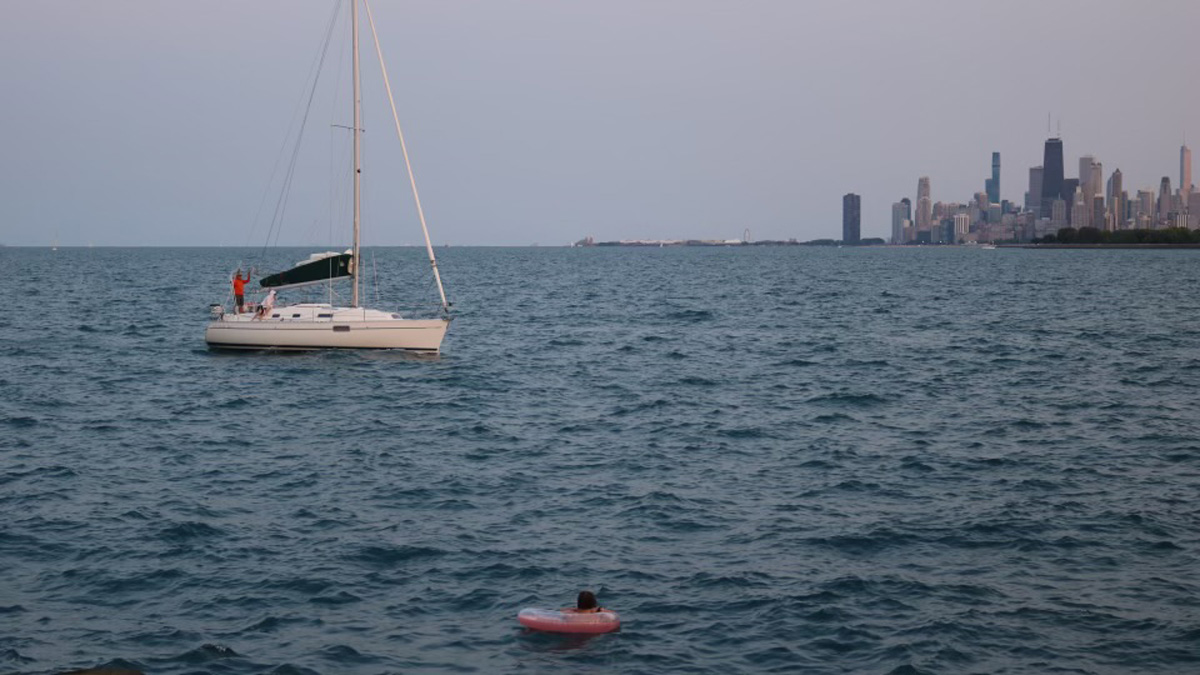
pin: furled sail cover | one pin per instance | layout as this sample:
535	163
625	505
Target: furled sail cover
319	268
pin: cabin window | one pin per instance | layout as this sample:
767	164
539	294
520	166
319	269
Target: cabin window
295	316
324	316
341	329
274	316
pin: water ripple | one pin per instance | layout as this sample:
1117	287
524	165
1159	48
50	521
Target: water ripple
774	460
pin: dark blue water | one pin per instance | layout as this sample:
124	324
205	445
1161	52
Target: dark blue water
768	460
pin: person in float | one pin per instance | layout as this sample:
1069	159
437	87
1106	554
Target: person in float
265	307
239	290
585	604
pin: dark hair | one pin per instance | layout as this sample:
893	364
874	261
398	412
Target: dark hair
586	600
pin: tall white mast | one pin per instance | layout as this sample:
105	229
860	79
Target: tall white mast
357	147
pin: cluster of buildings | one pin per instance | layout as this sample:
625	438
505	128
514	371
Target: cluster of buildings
1053	201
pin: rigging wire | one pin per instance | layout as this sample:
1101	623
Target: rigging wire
281	204
279	157
375	274
335	106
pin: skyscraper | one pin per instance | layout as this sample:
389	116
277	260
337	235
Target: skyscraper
1116	201
1058	213
1185	171
899	216
1144	208
924	205
1097	185
851	218
992	185
1052	176
1085	174
962	226
1081	212
1033	198
1098	213
1068	188
1164	200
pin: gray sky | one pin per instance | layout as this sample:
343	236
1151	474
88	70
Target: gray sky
152	122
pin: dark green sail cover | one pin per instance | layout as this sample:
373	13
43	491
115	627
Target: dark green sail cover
333	267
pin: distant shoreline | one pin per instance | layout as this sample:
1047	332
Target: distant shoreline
637	245
1131	246
665	243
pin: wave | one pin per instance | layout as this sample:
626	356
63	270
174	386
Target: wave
344	654
15	657
339	598
290	669
186	531
848	400
390	556
797	363
21	421
205	653
690	315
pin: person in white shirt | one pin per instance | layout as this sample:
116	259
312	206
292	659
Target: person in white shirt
265	307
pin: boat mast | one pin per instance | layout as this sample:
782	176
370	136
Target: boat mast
357	147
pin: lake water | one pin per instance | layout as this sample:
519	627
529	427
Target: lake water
767	459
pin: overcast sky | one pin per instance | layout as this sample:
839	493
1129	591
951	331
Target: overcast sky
151	122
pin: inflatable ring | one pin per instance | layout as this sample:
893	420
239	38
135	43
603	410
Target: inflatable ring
569	621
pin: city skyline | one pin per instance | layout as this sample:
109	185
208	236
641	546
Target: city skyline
1053	201
1090	179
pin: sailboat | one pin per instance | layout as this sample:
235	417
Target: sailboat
307	326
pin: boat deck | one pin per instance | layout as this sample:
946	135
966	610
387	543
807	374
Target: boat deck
309	313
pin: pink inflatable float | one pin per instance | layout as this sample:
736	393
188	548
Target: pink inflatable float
569	620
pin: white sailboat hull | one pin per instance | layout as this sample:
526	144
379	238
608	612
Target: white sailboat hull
346	329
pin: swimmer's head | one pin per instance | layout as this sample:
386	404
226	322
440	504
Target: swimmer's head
587	600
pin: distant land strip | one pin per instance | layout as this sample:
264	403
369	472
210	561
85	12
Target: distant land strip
1100	245
660	243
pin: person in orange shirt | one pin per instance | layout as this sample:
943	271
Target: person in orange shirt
239	289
